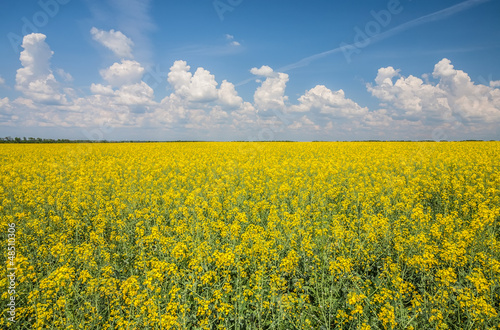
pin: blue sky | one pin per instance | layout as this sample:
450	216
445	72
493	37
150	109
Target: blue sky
250	70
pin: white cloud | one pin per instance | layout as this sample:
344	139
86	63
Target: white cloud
64	75
467	100
35	78
115	41
139	93
378	119
44	105
136	94
125	73
328	102
101	89
196	102
304	122
4	102
2	81
385	75
455	97
25	102
270	95
179	77
244	117
228	96
409	107
171	109
409	97
232	42
133	18
202	86
495	83
264	71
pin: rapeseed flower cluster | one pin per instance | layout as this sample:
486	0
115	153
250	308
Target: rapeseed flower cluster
359	235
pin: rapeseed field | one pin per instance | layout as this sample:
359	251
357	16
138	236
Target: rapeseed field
346	235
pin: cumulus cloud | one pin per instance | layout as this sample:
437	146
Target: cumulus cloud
101	89
2	81
378	119
410	107
270	95
228	95
454	95
115	41
385	75
198	102
304	122
135	94
264	71
470	101
124	73
201	86
35	79
326	101
410	97
179	77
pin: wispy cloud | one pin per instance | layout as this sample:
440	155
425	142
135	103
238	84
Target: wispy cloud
132	17
115	41
229	48
436	16
423	52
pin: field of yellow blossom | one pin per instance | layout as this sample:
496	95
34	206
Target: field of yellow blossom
320	235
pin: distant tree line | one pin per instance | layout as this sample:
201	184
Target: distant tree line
9	139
